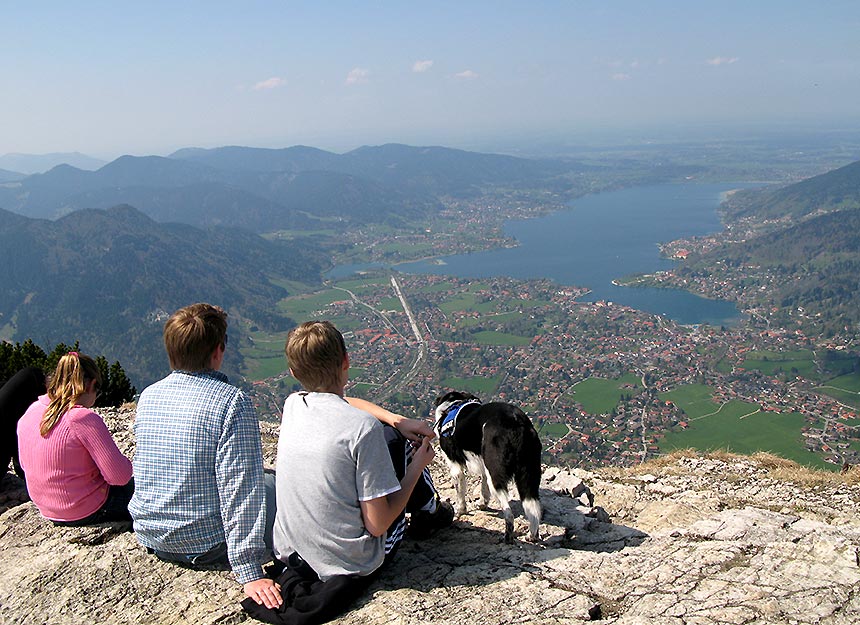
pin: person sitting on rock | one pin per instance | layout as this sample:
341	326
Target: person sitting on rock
16	395
75	474
200	496
344	480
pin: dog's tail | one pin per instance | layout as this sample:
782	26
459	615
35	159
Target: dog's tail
527	479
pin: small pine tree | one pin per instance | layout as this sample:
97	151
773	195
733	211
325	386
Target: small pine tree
51	360
118	388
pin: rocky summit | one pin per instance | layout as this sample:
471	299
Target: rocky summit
688	539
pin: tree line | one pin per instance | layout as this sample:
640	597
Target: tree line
116	388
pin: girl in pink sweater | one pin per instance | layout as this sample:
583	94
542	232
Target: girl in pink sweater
75	473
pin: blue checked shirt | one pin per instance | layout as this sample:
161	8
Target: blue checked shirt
198	470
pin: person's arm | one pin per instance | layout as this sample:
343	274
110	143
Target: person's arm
378	514
413	429
96	438
239	477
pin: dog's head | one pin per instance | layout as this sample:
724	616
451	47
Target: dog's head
444	402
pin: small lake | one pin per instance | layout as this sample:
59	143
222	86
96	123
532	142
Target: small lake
603	237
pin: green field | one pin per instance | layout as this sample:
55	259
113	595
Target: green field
360	389
390	303
736	426
553	430
364	285
263	367
300	307
800	362
694	399
845	388
468	322
480	386
437	288
467	302
264	358
293	287
600	396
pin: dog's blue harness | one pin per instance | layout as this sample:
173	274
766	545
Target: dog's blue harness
448	423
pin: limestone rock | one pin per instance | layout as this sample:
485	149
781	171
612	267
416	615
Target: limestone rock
696	540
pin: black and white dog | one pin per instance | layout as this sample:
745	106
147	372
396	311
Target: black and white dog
498	442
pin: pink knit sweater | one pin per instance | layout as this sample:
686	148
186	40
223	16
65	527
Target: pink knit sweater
69	470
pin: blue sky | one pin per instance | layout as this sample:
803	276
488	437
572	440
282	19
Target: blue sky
108	78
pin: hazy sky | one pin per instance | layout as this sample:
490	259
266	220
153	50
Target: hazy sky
108	78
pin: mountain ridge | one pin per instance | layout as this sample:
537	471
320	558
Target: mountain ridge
838	189
38	163
110	278
274	199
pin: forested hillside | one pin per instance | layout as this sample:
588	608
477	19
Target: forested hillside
836	190
110	278
805	269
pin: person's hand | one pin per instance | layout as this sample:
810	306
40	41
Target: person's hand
423	454
414	430
265	592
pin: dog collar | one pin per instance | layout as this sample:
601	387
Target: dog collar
449	422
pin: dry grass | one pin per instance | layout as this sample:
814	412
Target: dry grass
777	468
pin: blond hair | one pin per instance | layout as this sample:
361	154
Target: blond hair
69	381
192	334
315	353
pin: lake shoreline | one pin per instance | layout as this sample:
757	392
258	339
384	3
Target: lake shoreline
610	236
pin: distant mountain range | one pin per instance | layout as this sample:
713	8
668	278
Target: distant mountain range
265	190
110	277
432	170
39	163
107	274
10	176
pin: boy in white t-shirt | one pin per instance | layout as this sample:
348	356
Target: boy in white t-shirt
343	479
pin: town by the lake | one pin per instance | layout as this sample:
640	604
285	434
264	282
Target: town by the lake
603	382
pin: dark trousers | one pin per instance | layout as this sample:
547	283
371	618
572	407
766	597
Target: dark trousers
309	601
115	508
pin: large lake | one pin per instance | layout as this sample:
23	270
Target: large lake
603	237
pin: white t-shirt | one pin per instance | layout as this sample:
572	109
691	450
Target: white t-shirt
331	456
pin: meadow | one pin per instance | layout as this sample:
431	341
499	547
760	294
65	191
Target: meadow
801	362
736	426
845	389
481	386
553	430
601	396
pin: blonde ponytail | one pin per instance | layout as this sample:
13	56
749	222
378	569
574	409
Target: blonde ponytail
69	381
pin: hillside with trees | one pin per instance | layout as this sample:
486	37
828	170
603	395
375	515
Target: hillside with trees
833	191
804	265
109	278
